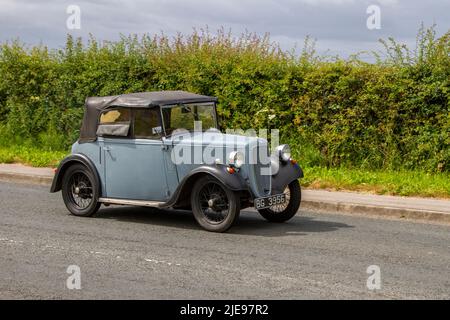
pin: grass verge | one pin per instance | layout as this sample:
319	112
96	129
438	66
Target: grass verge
31	156
401	183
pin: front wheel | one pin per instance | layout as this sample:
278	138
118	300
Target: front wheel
285	211
215	207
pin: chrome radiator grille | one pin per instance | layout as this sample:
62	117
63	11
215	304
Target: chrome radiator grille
259	169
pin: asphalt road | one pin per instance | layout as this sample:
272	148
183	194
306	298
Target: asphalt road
142	253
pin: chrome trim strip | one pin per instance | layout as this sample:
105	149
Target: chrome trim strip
131	202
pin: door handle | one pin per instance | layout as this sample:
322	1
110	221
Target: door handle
108	149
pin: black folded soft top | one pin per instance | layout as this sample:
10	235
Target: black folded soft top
95	106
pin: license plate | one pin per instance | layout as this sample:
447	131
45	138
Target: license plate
266	202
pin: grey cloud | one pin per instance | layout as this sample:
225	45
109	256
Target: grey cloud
338	25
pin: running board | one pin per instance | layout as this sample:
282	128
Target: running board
131	202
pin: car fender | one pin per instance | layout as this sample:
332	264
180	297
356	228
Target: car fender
287	173
232	181
66	163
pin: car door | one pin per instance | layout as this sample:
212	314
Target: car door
134	167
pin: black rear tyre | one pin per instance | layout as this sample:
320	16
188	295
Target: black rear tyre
215	207
280	213
79	191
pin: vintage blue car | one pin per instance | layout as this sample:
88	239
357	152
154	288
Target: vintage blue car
164	149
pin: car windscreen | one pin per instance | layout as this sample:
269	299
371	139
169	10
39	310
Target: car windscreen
189	117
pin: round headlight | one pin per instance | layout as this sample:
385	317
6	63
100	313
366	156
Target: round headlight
284	152
236	158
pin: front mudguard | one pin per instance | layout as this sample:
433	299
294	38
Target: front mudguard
287	173
181	195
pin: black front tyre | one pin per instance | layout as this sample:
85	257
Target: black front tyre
79	191
215	207
284	212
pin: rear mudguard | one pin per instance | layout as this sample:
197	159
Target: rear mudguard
66	163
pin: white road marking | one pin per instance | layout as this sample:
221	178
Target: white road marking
48	246
162	261
98	252
11	241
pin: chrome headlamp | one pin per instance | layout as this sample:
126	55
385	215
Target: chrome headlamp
236	158
284	152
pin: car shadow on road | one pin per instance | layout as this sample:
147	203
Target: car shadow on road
249	223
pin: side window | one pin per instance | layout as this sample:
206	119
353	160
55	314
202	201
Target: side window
115	122
146	124
115	116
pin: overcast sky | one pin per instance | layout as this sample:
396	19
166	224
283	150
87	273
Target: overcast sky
338	25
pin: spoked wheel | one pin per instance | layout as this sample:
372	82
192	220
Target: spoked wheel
285	211
279	208
214	202
215	207
79	191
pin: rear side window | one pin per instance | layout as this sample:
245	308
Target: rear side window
115	116
115	123
146	124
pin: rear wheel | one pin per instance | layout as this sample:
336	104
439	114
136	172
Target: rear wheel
285	211
215	207
79	191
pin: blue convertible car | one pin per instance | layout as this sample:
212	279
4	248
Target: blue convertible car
164	149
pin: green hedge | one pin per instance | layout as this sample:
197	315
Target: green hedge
392	114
